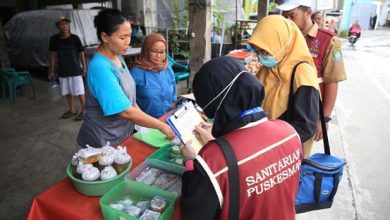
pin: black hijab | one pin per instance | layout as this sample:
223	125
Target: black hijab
245	93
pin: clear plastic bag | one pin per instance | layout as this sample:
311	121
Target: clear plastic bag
144	131
54	90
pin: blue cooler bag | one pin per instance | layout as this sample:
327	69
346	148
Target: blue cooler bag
318	182
321	173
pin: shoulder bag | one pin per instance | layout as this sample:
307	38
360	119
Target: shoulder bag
320	174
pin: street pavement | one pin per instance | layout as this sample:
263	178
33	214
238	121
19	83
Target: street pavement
360	131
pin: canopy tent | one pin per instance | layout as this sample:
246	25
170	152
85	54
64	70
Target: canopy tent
28	34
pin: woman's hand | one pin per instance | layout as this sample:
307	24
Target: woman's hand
167	131
319	133
137	116
187	150
203	131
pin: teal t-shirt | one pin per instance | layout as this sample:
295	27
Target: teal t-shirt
156	91
104	85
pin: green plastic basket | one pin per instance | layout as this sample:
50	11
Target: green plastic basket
136	191
160	159
96	188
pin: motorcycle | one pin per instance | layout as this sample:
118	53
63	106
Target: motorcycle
353	38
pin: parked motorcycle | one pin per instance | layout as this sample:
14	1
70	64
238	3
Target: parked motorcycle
353	38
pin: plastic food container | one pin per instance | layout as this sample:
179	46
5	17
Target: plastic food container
96	188
172	185
160	159
136	191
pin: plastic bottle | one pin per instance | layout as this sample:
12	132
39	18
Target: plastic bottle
54	90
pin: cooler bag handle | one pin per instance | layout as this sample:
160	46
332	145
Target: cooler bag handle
234	181
318	184
291	94
324	131
322	118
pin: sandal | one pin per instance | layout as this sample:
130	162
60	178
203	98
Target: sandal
79	117
69	114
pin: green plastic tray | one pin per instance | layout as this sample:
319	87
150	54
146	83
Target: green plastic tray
154	138
161	160
95	188
136	191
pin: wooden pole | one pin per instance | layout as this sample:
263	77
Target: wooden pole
199	33
262	9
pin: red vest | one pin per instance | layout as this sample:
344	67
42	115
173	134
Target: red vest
318	47
269	157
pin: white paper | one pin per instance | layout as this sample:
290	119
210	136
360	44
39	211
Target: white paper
184	120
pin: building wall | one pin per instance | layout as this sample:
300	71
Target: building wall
357	9
384	16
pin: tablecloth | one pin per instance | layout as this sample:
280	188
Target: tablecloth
62	201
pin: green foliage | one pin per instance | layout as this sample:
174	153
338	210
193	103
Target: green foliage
253	7
219	15
343	33
272	6
179	21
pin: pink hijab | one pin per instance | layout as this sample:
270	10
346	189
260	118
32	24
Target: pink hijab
144	62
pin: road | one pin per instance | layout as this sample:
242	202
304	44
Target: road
360	131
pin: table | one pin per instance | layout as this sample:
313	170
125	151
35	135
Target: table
63	201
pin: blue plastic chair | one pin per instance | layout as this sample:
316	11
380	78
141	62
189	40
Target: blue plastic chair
184	74
12	79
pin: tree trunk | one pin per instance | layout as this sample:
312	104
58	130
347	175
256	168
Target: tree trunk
200	33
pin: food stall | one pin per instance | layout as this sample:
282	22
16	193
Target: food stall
63	201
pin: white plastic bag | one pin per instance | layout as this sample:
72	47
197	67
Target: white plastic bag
54	90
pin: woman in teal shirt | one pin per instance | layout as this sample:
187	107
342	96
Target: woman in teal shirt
154	78
111	109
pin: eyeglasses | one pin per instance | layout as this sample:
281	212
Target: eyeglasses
162	52
262	52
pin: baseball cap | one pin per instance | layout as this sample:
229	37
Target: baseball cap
62	18
292	4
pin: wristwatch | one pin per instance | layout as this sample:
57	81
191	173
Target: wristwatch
327	119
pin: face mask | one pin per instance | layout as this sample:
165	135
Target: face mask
270	61
228	87
267	61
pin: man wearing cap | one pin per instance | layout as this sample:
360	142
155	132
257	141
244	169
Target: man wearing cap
66	52
325	49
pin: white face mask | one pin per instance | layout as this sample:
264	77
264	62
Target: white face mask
228	87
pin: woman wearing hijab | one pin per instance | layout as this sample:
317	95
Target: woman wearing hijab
154	78
280	47
268	153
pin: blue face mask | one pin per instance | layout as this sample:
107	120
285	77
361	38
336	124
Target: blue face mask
270	61
267	61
